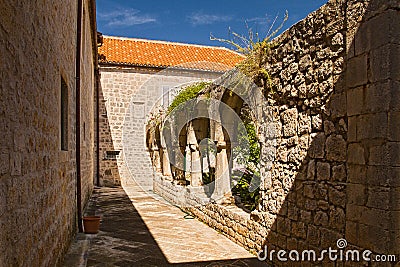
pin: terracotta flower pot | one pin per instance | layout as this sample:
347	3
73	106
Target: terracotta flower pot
91	224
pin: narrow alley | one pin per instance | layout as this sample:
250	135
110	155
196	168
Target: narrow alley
287	144
141	229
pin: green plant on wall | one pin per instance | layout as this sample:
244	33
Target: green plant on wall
248	199
248	144
187	93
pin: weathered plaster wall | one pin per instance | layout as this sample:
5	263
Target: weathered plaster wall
37	179
333	122
127	96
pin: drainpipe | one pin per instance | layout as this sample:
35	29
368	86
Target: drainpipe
97	126
98	42
97	84
78	114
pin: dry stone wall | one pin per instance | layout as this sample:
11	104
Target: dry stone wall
38	179
303	193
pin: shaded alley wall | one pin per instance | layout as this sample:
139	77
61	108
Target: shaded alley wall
37	177
333	113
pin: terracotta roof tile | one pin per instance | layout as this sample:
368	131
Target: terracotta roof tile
140	52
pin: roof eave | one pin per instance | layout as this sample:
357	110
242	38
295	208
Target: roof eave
123	64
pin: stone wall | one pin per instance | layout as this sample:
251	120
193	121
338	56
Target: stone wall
372	90
38	179
303	192
329	136
332	110
128	94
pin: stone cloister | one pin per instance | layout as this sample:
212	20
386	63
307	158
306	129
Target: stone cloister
178	141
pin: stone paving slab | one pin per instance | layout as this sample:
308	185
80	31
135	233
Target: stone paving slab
77	253
141	229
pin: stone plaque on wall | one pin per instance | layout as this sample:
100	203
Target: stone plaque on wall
138	110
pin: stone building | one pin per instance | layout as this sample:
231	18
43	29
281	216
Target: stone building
328	125
138	76
47	126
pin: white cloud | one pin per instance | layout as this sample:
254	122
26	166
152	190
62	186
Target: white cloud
259	20
126	17
199	18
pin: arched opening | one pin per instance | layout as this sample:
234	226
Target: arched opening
243	152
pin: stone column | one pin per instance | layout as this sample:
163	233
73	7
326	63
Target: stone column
222	191
188	162
177	167
166	170
157	159
195	164
196	178
165	139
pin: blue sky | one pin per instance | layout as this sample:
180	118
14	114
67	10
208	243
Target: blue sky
193	21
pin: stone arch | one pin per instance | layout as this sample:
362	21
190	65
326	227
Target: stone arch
238	101
168	158
221	130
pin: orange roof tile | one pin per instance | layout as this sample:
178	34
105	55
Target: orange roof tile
140	52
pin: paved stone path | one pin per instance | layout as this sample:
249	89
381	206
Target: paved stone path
141	229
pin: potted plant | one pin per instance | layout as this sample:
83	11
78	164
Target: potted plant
91	224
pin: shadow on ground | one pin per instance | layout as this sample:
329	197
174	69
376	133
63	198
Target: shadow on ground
125	240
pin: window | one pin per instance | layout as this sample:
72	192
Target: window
64	115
